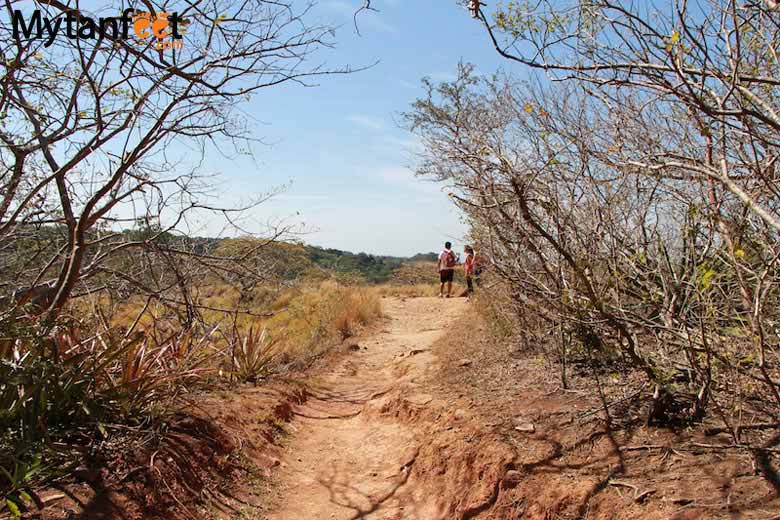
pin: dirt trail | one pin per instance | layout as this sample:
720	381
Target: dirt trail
345	460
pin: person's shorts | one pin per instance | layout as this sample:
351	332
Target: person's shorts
447	275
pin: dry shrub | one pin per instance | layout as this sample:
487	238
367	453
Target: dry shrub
283	300
497	309
617	259
356	308
319	316
343	326
414	273
140	362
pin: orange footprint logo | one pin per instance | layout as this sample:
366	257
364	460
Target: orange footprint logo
157	26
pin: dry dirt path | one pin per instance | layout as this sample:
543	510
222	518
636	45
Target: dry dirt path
347	460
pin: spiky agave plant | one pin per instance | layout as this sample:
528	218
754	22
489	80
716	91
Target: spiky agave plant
158	368
49	391
60	383
252	353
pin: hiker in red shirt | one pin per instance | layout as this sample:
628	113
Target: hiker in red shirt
469	269
446	267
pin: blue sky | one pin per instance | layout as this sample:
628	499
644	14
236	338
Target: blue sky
338	145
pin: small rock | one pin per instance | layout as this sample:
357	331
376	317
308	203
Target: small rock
460	414
525	428
464	362
353	347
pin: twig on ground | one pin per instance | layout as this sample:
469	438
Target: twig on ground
740	427
638	497
601	408
645	447
733	447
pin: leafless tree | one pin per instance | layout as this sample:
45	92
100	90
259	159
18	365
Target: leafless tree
717	60
101	140
647	268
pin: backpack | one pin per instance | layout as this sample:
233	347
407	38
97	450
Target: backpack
449	260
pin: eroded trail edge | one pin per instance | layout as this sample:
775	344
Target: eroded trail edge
350	452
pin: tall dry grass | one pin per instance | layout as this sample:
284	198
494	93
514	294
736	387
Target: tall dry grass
317	317
272	327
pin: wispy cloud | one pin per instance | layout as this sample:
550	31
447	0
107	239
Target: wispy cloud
401	177
370	122
295	197
410	144
442	76
409	84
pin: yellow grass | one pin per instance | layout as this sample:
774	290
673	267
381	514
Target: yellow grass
301	322
317	317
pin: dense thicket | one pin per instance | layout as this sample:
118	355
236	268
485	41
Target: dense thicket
629	197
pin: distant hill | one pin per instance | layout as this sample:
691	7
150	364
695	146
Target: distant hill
424	257
280	260
290	260
373	268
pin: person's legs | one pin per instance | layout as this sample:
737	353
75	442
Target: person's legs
446	277
441	290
